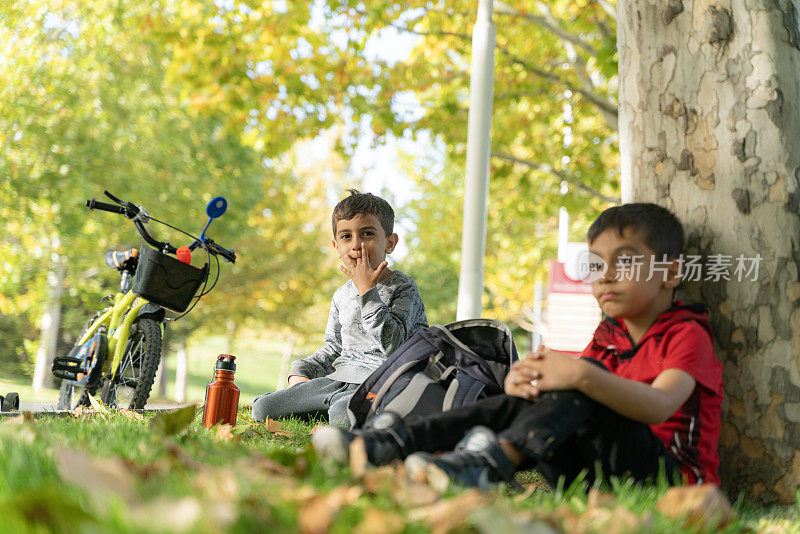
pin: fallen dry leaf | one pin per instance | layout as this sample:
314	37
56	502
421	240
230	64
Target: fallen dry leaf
220	484
100	477
394	480
704	506
268	465
566	517
173	515
223	433
130	414
25	417
435	478
173	421
447	515
377	480
97	404
145	471
276	427
600	499
618	520
414	494
83	411
317	514
301	494
785	527
179	455
358	458
251	430
492	519
380	521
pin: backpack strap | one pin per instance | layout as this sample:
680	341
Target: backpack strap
387	384
446	373
462	391
449	344
454	340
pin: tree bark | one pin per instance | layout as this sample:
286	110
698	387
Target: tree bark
51	321
709	127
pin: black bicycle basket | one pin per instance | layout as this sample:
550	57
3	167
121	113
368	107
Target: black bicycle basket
167	281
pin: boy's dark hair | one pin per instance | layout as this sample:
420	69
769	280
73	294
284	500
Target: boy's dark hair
366	203
663	231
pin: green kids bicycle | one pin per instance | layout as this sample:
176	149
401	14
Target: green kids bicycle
119	349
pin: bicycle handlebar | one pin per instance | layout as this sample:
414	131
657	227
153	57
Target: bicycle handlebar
228	255
93	204
131	211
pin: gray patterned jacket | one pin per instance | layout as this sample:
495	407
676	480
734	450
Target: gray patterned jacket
363	330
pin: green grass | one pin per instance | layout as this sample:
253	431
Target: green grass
137	478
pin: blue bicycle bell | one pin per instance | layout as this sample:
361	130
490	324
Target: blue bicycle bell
216	207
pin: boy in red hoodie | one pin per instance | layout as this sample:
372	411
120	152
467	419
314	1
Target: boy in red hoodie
645	395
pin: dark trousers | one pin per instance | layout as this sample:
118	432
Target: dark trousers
560	434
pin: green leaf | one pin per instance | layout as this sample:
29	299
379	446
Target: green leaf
174	422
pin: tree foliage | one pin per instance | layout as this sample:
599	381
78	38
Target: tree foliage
169	104
291	67
90	101
553	135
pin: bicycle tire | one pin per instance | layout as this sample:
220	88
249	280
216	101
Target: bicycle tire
134	378
67	391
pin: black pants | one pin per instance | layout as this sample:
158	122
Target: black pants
560	434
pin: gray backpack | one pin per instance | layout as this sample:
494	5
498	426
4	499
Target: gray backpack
436	369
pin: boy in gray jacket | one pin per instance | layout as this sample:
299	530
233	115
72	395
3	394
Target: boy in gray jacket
371	315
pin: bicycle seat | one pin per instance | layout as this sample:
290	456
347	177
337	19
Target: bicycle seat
115	260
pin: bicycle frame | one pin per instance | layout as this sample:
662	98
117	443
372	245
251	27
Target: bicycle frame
118	320
82	367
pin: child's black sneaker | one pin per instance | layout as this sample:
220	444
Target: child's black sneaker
477	461
385	439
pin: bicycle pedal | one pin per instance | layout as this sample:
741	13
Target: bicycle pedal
66	367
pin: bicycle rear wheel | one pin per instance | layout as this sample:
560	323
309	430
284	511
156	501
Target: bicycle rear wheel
131	385
70	396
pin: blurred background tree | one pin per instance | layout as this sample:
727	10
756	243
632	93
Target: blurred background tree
170	104
554	140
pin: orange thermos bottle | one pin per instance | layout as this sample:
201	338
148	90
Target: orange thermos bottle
222	395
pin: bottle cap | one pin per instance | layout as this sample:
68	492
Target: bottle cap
225	362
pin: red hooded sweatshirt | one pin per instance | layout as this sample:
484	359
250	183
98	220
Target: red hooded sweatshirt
680	338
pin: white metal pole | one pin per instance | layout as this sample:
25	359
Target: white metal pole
563	234
476	187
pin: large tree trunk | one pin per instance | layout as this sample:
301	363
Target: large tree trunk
710	127
51	321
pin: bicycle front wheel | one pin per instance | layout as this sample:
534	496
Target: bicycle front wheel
133	380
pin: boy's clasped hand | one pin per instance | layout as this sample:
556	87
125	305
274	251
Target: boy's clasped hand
543	370
356	265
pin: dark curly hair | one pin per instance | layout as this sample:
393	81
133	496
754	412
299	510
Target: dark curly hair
363	203
663	232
